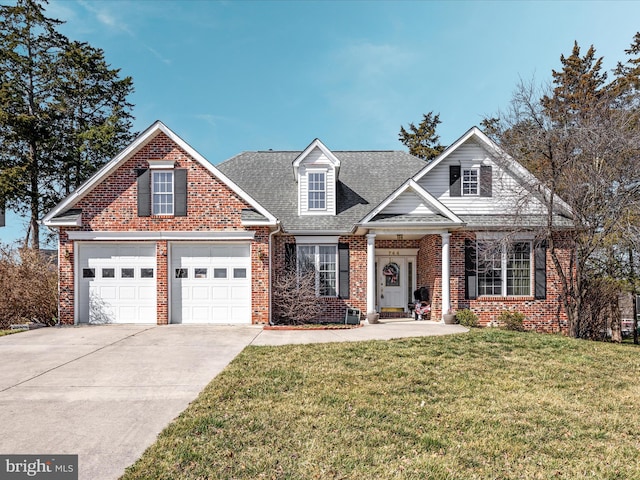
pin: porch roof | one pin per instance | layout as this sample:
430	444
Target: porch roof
470	222
407	218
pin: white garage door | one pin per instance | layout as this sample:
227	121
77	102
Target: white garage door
210	283
117	283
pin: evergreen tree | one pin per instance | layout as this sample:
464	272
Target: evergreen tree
63	112
578	87
423	142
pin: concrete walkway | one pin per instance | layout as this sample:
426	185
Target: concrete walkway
105	392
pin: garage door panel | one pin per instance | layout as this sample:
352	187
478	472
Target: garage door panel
203	291
127	293
200	293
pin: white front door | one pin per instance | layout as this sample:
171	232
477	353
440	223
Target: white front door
392	284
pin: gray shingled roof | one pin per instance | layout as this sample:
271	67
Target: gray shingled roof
366	179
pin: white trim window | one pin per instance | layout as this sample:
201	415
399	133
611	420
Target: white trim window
471	181
162	192
317	190
504	268
323	260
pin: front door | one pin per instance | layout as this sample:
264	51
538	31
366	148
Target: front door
392	284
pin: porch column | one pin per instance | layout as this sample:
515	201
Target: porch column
371	273
446	300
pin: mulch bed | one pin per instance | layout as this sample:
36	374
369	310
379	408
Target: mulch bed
330	326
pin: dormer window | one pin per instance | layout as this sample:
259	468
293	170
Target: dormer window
316	172
317	190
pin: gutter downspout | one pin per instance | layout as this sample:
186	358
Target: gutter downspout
277	230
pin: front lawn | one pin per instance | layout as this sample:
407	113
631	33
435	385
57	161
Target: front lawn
489	404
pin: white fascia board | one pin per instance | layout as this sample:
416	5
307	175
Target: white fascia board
129	151
63	223
422	193
328	153
259	223
128	236
316	239
318	232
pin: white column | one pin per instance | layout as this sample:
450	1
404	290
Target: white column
446	297
371	273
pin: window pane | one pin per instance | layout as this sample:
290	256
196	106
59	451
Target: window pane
489	269
108	273
306	259
317	190
327	268
146	273
322	260
182	273
88	273
162	188
470	181
200	273
127	273
219	273
239	273
519	269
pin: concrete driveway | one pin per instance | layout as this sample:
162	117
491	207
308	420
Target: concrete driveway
105	392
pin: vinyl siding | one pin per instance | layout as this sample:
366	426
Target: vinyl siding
409	202
508	196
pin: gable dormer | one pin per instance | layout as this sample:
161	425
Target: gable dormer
316	172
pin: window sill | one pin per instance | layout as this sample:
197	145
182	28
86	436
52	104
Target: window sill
513	298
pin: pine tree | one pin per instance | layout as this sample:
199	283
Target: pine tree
63	112
578	86
423	142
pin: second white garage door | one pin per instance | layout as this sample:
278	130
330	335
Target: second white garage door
210	283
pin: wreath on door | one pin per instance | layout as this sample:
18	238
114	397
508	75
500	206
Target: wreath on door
391	272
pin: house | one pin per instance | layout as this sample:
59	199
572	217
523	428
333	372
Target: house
160	235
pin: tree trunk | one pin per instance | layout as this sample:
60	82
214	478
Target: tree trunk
35	197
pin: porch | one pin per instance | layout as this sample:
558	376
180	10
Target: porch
400	264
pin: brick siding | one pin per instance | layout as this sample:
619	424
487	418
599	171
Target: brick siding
211	206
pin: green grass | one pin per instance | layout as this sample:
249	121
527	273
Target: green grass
489	404
10	331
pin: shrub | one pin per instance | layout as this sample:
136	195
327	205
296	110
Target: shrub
467	318
29	287
294	299
512	321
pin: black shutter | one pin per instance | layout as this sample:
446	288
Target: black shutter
455	189
2	214
144	193
180	192
290	257
540	260
470	273
343	267
486	181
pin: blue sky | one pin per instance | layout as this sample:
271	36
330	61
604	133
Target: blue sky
230	76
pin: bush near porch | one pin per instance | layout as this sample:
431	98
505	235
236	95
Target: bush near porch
29	282
486	404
